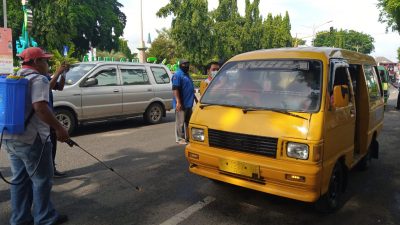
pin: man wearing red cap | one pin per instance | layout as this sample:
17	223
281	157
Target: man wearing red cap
32	149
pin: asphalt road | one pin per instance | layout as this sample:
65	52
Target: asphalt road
148	157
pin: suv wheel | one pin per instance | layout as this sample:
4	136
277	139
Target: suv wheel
153	113
66	118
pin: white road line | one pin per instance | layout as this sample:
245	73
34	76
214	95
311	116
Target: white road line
188	212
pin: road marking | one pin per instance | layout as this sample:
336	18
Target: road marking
188	212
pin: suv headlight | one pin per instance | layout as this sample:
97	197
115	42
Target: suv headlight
297	150
198	134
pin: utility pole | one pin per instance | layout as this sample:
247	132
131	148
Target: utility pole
5	13
314	30
142	49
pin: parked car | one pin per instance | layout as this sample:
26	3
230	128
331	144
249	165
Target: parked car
105	90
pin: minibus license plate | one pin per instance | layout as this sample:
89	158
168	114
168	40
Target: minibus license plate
240	168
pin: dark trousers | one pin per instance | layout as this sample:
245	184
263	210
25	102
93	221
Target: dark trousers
53	139
398	100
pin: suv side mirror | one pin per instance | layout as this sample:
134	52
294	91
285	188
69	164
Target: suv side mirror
341	96
90	82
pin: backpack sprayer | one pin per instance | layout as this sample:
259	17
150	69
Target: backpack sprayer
12	118
12	110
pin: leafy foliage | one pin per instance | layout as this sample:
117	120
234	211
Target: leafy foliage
71	22
111	54
398	54
201	35
124	48
15	17
226	30
390	14
163	47
190	28
58	59
347	39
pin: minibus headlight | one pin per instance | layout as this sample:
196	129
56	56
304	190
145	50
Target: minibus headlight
297	150
198	134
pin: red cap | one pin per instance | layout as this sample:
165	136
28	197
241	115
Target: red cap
33	53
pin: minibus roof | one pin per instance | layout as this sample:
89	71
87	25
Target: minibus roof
322	53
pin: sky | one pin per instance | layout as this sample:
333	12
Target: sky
306	16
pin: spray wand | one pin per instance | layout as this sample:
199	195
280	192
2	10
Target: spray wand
72	143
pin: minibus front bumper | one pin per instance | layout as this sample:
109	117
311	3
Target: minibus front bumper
298	180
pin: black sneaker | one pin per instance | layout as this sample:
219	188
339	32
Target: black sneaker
61	219
59	174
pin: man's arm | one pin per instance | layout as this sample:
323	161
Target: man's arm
44	113
54	83
178	99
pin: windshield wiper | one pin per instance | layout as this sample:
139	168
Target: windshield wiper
202	106
245	110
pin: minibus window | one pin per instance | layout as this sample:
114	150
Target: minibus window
372	83
290	85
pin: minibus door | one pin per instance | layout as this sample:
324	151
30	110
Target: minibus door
341	117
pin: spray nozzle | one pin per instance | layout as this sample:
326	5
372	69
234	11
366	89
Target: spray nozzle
71	143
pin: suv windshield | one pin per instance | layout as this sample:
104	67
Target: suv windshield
288	85
76	72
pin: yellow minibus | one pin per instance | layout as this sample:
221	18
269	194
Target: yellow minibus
290	122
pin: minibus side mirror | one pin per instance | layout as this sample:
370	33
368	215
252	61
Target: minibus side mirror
340	96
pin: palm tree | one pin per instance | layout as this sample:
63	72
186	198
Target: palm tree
58	59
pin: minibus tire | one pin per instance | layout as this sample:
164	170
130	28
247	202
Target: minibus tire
373	149
332	200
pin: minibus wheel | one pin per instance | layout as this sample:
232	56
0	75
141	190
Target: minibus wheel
373	150
333	198
365	162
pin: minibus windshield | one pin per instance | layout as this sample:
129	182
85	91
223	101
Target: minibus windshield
289	85
76	72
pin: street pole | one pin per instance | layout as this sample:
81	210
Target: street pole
141	25
142	48
5	13
314	30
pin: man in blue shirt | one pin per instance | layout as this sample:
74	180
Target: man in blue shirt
183	89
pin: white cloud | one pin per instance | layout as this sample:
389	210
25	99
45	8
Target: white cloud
358	15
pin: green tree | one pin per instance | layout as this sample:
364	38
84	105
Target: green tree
276	32
15	18
190	28
390	13
346	39
77	23
268	32
226	30
111	55
398	54
59	59
124	48
252	28
298	41
163	47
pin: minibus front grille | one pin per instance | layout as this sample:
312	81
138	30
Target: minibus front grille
243	142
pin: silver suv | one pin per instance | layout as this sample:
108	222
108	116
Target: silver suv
104	90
